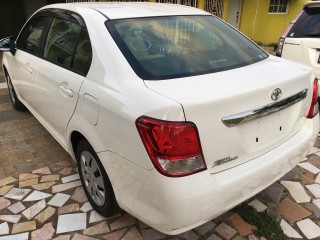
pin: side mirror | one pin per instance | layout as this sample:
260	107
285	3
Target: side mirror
7	45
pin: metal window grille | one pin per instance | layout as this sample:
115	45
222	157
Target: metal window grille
214	7
192	3
278	6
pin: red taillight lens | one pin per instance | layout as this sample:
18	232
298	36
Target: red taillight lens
173	147
314	108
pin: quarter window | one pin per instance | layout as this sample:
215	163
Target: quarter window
32	35
83	54
278	6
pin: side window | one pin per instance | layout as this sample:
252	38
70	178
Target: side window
32	34
61	42
83	54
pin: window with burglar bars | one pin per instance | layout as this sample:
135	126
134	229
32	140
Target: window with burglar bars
192	3
278	6
214	7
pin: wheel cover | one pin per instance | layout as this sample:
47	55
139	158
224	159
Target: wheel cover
92	177
11	90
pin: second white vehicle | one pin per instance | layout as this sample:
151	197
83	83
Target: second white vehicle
166	109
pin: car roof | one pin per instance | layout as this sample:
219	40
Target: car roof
312	4
118	10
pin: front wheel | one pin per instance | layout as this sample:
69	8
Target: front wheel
94	179
13	96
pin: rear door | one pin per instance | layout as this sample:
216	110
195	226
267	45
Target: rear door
303	40
60	73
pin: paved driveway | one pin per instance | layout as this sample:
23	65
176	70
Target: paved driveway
41	196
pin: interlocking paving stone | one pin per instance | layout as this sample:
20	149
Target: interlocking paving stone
59	199
309	228
313	150
36	196
213	237
314	189
43	170
74	207
50	178
34	209
28	182
45	214
225	231
124	221
314	160
5	189
152	234
78	236
86	207
17	193
315	210
70	178
71	222
4	228
296	191
79	195
309	167
307	178
96	217
292	211
259	206
27	176
44	233
66	171
63	237
288	230
242	227
133	234
65	186
10	218
204	228
4	203
7	180
21	236
24	226
271	194
97	229
115	235
43	186
17	207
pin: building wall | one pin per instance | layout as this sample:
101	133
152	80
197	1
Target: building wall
263	27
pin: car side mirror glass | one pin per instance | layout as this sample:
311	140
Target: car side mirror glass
8	45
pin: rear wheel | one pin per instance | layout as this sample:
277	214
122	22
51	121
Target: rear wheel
94	179
13	96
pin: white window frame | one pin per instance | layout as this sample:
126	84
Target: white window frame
278	5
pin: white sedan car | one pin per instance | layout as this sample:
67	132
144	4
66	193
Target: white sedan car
168	111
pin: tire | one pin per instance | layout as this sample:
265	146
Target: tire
13	96
94	179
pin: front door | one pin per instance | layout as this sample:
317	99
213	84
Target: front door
234	13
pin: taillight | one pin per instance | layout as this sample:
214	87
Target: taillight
173	147
314	108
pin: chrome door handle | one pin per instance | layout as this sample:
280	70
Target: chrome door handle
29	69
67	91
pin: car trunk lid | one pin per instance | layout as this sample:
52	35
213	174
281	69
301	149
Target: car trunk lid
209	99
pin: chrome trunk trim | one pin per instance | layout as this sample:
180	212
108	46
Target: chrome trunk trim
260	112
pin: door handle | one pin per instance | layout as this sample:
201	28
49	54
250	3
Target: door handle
67	91
29	69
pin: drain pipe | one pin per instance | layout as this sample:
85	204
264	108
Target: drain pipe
255	19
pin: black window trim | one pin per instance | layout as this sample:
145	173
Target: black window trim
68	16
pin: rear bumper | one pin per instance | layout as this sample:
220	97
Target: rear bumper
175	205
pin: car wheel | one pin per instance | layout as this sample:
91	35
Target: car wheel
94	179
13	96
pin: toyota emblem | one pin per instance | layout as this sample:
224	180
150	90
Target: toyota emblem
276	94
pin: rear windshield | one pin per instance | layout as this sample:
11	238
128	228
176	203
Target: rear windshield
180	46
308	24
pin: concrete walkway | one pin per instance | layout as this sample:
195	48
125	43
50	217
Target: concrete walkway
41	196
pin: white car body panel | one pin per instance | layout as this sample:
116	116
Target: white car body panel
303	50
118	97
